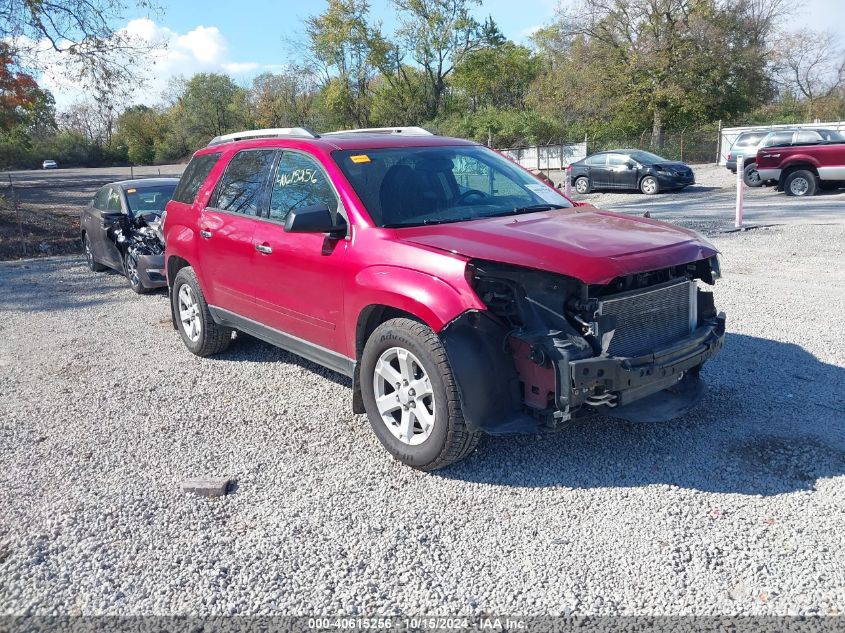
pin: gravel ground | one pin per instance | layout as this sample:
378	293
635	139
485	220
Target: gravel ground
735	509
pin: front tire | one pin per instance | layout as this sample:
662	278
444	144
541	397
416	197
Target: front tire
750	176
800	183
649	185
201	335
411	398
130	269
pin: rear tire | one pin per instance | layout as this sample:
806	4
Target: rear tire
582	185
404	365
93	265
201	335
801	183
750	176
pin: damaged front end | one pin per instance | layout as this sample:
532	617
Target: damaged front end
550	348
141	243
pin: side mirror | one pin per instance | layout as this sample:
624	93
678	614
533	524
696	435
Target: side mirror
110	218
315	219
631	164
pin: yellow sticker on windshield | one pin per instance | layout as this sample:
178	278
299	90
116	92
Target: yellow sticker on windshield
131	190
360	158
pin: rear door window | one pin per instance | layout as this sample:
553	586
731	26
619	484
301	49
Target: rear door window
749	140
597	160
195	174
243	185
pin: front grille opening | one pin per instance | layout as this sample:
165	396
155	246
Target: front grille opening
649	320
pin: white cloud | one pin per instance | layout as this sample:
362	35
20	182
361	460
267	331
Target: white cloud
203	49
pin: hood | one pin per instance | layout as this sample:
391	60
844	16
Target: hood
673	165
586	243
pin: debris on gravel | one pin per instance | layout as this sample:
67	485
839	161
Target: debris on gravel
735	509
205	487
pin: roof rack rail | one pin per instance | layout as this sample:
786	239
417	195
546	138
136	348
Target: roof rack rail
265	133
407	131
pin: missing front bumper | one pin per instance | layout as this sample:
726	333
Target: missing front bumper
628	380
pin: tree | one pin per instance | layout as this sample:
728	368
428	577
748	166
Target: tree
89	49
497	75
212	105
139	129
348	51
437	34
811	64
284	99
22	102
676	62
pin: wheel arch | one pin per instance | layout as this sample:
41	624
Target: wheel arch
369	318
174	264
794	166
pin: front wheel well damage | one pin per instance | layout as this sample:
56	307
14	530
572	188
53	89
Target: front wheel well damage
368	320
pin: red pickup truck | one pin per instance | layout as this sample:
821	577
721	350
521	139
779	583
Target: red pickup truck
802	169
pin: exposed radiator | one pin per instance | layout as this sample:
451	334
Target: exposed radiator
651	319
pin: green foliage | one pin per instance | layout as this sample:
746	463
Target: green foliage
496	76
617	71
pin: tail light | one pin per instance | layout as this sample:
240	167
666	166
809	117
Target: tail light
730	156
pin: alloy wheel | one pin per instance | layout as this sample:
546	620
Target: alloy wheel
404	396
132	271
189	313
649	186
581	185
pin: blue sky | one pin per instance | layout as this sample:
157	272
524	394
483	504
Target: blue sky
246	37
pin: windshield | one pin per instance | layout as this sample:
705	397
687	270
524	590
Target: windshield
410	186
647	157
149	199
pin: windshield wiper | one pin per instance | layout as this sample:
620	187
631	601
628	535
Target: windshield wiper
427	222
528	209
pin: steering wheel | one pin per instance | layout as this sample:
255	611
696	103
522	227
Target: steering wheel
470	192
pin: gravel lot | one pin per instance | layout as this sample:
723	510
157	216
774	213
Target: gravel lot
736	509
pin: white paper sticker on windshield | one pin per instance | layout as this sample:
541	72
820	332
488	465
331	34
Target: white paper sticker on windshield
546	193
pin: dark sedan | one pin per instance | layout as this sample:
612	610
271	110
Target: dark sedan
629	169
121	230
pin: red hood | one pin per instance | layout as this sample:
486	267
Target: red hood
589	244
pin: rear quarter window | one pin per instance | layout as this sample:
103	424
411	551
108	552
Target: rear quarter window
194	175
747	140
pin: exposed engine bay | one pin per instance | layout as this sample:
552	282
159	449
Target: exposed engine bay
141	236
560	348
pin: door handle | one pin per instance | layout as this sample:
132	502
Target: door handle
205	234
264	248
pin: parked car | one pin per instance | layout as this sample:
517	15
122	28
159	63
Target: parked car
800	170
783	136
459	293
49	164
745	145
121	229
629	169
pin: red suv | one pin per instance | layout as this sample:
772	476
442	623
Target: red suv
461	294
